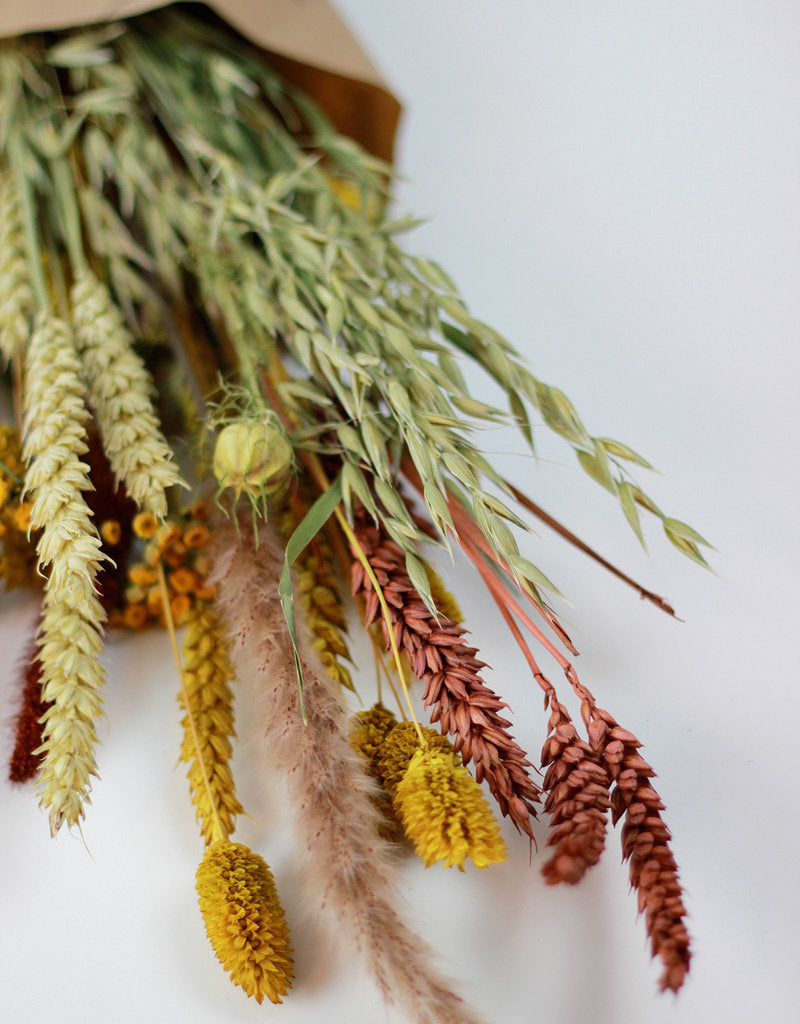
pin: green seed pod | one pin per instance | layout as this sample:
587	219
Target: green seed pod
252	456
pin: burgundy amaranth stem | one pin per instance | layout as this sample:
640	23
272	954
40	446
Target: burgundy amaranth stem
24	762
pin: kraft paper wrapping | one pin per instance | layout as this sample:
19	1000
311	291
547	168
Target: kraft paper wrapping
307	41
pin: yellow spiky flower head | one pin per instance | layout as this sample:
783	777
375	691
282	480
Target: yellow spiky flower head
369	729
398	748
445	814
244	920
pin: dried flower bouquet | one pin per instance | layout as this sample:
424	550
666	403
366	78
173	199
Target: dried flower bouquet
172	211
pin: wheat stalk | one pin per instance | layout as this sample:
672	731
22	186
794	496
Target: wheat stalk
16	293
120	389
207	672
458	699
69	550
645	845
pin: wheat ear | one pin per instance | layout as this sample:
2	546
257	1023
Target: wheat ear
120	389
16	293
70	637
207	673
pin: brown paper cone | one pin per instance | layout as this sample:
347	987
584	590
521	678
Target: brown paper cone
309	43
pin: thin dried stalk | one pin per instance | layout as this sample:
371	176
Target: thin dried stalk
645	844
460	702
347	866
120	388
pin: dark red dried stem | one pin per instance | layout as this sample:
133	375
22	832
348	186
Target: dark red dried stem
24	762
109	502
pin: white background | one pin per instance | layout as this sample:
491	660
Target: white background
615	187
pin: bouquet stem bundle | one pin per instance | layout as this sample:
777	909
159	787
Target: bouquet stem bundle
198	271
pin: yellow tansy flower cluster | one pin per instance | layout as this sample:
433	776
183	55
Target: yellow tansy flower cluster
177	544
17	549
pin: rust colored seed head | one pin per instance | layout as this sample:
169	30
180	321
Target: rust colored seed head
459	701
26	758
645	845
577	785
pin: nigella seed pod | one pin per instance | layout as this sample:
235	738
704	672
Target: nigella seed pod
252	456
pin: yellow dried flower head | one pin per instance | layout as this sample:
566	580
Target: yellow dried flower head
196	535
369	729
445	814
135	616
145	525
397	749
142	575
10	451
244	920
22	516
111	532
369	205
207	675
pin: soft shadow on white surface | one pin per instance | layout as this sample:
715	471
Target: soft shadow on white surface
615	188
